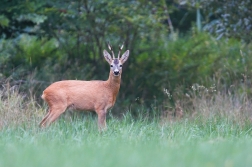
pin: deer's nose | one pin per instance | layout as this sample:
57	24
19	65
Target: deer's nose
116	72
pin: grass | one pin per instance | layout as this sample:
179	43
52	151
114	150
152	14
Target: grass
128	143
205	139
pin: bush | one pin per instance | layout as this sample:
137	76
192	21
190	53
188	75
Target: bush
153	66
196	58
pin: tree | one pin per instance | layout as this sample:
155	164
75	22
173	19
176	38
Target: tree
223	18
229	18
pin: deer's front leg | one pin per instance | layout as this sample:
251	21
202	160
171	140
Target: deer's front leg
102	120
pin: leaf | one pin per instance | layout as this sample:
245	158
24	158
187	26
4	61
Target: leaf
4	21
182	2
35	18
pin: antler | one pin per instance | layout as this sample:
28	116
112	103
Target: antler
120	49
111	49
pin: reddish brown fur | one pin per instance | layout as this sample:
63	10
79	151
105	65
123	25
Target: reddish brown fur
94	95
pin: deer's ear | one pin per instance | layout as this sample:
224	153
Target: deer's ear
125	56
107	56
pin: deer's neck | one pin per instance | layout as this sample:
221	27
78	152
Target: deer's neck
114	83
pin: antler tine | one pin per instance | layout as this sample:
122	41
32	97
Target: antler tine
109	45
120	49
111	49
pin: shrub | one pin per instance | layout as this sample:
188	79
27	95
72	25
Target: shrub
154	66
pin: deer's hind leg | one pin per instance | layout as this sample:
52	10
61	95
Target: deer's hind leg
52	115
42	123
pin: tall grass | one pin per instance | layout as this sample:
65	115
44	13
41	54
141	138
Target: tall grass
201	103
217	101
213	130
17	108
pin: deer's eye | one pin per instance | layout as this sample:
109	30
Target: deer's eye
120	65
111	65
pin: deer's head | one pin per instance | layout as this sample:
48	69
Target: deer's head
116	63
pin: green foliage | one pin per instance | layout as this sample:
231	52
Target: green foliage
229	18
195	58
4	22
191	59
27	53
18	17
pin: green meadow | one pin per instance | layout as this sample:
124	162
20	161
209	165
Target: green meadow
206	139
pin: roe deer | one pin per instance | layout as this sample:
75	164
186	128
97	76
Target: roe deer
93	95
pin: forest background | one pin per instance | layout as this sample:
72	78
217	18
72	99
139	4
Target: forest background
177	47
